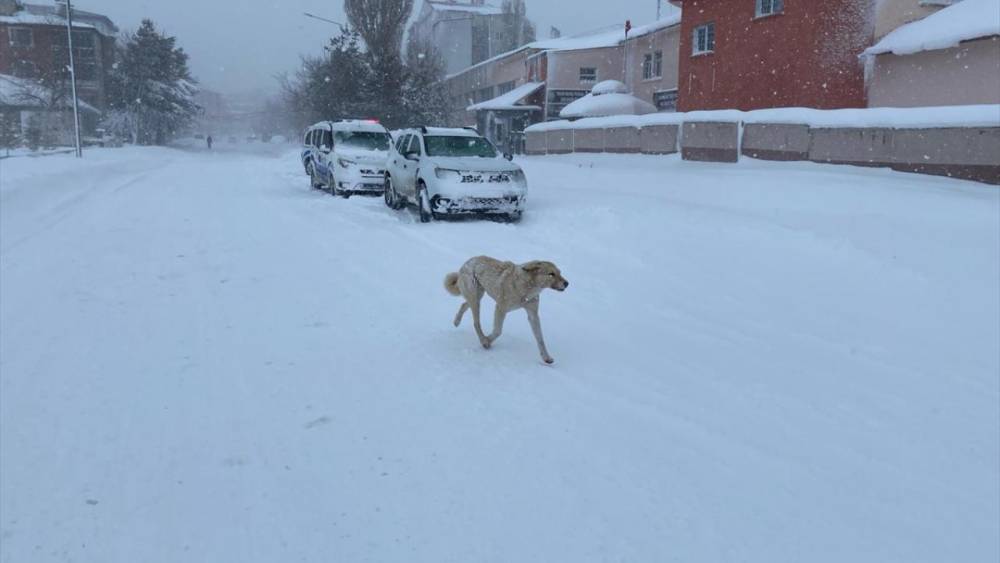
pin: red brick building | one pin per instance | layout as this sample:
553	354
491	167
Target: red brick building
754	54
33	46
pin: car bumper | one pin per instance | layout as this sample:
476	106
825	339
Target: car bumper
501	205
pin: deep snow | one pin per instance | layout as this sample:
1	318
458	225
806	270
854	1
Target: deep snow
201	359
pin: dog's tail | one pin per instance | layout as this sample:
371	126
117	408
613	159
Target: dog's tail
451	284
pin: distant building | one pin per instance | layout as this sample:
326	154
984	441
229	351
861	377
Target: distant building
946	57
505	94
465	32
34	57
753	54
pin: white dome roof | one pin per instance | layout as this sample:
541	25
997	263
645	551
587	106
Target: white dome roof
609	87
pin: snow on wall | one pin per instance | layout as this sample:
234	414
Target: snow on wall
964	21
896	118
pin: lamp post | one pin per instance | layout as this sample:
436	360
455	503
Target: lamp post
72	76
343	28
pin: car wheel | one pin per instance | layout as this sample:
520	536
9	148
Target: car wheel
313	180
514	217
389	194
424	204
309	167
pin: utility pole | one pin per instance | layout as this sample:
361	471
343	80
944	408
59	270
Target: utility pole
72	76
659	3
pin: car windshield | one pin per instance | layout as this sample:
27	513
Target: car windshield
459	146
364	140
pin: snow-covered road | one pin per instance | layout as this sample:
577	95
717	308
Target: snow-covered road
201	359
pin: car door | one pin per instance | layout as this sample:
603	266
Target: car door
410	167
394	164
324	150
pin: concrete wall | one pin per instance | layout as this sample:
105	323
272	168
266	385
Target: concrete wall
710	142
589	140
659	139
963	75
621	139
971	153
768	141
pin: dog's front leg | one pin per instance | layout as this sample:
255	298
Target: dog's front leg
498	317
531	307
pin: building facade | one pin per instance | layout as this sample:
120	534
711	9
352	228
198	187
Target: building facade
950	56
754	54
465	32
546	76
35	57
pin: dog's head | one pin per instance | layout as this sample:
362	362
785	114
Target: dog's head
545	275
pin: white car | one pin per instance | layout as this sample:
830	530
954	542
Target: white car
452	172
346	157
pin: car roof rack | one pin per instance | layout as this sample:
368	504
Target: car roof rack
423	129
473	129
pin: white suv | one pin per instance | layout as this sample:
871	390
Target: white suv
347	157
452	172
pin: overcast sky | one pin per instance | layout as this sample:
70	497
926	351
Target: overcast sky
239	45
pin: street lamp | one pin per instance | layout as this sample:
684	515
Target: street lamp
72	74
343	28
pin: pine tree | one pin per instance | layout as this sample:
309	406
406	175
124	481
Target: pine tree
10	135
150	91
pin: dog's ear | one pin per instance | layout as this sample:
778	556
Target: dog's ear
531	267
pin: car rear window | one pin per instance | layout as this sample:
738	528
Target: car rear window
364	140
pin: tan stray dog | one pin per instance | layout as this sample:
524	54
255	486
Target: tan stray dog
512	286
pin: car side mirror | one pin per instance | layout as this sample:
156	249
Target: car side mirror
508	156
412	155
326	148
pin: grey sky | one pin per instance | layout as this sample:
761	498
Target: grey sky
239	45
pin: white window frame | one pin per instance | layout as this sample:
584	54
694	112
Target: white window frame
697	48
31	36
767	8
588	80
658	64
647	66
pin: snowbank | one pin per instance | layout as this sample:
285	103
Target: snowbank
896	118
964	21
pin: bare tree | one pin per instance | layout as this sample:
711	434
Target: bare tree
380	23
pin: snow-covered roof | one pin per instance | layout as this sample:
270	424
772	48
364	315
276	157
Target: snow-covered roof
36	14
25	92
609	87
509	100
358	125
451	132
601	105
484	10
963	21
609	36
987	115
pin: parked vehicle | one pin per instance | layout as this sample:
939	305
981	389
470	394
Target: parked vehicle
453	172
346	157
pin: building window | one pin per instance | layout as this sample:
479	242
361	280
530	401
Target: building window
665	100
21	37
704	39
505	87
588	74
769	7
84	54
24	69
652	65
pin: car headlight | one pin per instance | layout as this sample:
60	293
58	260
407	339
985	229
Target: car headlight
345	163
517	175
446	173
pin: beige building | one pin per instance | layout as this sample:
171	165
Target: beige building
503	95
949	57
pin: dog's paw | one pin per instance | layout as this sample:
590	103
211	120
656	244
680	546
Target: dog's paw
549	361
486	343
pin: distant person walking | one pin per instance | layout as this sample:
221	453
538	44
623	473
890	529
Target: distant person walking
208	141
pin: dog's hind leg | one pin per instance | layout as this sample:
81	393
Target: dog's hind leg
531	307
474	305
461	313
498	316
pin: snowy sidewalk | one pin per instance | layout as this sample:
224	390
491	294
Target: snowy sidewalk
201	359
